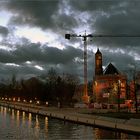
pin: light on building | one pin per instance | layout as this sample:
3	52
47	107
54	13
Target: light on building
95	83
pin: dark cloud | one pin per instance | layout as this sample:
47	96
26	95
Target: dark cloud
60	17
94	5
38	13
3	31
44	56
64	22
34	52
22	71
43	14
123	20
116	58
99	6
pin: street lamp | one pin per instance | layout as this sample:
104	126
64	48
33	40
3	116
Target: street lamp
30	101
14	99
24	100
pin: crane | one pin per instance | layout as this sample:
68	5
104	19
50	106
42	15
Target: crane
85	36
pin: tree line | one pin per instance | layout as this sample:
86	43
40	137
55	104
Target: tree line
52	88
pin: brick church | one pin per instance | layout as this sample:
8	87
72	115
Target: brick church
108	84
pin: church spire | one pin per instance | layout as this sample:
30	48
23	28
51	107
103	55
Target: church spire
98	63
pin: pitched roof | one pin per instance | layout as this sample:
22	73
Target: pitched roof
111	69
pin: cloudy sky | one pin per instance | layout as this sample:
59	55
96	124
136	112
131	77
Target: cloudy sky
32	35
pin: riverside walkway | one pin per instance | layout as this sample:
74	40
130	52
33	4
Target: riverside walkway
76	115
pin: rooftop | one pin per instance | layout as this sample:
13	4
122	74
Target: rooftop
111	69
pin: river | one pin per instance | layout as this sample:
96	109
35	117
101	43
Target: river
20	125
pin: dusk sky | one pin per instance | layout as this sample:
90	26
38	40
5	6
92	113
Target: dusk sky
32	35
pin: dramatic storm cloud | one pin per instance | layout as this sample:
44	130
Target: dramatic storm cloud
3	31
32	35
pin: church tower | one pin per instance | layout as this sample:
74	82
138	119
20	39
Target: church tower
98	63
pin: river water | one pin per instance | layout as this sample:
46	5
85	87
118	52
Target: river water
20	125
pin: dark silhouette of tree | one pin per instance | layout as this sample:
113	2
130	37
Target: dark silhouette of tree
52	88
51	84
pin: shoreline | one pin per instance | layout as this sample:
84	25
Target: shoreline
73	114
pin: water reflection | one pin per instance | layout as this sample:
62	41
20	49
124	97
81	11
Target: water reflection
5	110
29	120
46	124
106	134
1	110
9	109
36	127
37	122
16	124
100	134
23	117
17	117
13	113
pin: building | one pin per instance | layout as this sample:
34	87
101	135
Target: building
135	89
109	84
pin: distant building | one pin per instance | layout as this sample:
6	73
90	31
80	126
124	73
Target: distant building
135	88
108	84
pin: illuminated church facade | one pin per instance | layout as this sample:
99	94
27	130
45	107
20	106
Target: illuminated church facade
108	84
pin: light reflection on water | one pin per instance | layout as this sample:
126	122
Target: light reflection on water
23	117
17	124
